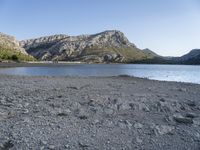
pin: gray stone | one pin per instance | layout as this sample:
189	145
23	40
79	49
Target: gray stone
138	125
191	115
182	119
138	140
51	147
164	129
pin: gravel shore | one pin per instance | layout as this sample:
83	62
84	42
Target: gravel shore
106	113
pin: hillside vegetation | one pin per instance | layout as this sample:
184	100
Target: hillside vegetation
13	55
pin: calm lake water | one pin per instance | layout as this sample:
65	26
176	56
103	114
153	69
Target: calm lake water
181	73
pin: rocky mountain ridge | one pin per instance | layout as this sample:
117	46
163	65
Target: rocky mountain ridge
104	47
11	42
110	46
10	49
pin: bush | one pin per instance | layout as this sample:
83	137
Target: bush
14	57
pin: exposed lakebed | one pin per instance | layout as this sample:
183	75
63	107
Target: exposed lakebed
87	113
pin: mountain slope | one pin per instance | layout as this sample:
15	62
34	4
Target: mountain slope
10	49
108	46
193	57
150	52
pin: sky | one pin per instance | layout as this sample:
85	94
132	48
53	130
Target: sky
168	27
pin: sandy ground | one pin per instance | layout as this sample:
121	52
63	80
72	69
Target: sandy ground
106	113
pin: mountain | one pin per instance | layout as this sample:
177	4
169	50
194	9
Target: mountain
10	49
150	52
193	57
108	46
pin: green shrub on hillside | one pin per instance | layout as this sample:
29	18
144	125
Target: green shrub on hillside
9	54
131	54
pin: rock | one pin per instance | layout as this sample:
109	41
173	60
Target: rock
108	111
83	117
124	124
63	113
82	114
44	142
146	109
143	107
96	121
182	119
191	115
51	147
3	115
67	146
125	106
182	89
162	99
6	145
138	140
128	124
191	103
197	122
164	129
121	124
42	148
138	125
82	145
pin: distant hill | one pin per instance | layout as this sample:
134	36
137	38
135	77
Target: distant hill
193	57
150	52
11	50
108	46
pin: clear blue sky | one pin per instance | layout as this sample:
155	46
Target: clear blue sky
168	27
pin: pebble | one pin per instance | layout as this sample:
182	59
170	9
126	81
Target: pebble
191	115
191	103
181	119
182	90
144	107
138	140
51	147
96	121
164	129
44	142
138	125
109	111
3	115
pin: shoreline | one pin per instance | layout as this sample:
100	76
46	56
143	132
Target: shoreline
86	77
35	64
98	113
62	63
44	64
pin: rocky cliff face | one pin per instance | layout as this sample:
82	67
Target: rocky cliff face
108	46
10	49
9	42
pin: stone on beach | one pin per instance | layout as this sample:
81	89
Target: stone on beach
182	119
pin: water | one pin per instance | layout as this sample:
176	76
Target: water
182	73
